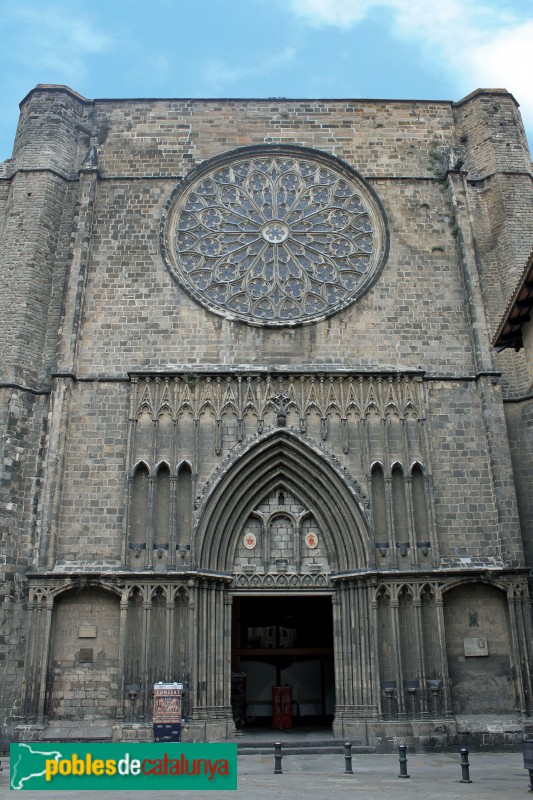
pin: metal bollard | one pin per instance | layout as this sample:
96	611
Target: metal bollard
277	758
402	757
465	766
348	758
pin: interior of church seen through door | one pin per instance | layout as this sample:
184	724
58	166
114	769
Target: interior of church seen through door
282	641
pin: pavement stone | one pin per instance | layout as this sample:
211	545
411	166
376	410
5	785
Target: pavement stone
495	776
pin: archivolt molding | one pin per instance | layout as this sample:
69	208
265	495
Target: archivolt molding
281	457
239	451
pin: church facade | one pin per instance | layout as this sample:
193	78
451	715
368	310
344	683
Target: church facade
253	429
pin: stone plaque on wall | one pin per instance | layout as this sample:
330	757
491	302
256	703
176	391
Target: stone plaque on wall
476	647
86	655
87	632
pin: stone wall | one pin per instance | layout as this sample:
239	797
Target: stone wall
91	311
480	684
84	656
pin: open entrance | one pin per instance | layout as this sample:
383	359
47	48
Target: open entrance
282	641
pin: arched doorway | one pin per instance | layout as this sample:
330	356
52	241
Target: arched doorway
279	529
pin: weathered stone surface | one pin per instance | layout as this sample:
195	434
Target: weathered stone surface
142	435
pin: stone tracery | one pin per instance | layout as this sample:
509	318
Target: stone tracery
276	238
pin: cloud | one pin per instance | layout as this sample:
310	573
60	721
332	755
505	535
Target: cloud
219	73
341	13
56	39
506	60
474	42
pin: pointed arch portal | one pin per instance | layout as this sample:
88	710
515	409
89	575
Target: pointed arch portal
289	619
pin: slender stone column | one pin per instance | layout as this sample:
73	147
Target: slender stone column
419	638
370	494
347	645
30	687
375	652
366	657
338	647
515	650
202	645
358	645
124	605
126	542
192	623
151	523
364	439
145	649
408	487
447	706
390	520
395	625
170	611
45	652
211	621
523	649
53	470
228	606
173	521
132	423
219	641
528	642
430	497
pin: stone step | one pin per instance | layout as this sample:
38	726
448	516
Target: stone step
308	750
301	747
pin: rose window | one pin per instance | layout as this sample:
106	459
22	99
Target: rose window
275	237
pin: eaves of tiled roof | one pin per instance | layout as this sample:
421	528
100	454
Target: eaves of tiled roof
517	312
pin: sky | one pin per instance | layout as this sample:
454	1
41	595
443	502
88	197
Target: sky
411	49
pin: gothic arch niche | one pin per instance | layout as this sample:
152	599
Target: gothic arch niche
84	656
480	660
158	640
379	505
162	507
140	505
184	507
387	650
157	644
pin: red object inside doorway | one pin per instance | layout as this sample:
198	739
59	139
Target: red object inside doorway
282	707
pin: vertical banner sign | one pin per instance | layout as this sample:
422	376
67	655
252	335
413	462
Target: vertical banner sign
167	712
167	703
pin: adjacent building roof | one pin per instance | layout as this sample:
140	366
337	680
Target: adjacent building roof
517	313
